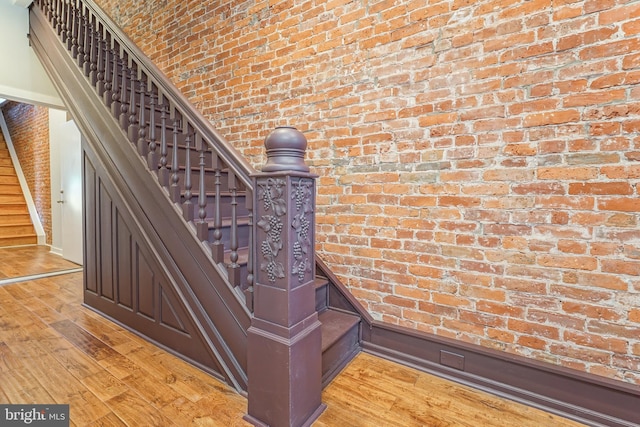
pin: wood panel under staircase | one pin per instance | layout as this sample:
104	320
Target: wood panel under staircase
16	227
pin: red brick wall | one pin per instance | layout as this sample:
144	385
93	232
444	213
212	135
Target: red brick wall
29	129
478	160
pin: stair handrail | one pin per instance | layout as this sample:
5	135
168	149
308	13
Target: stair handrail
140	97
241	167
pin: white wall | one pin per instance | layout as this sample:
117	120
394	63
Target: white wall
56	122
22	77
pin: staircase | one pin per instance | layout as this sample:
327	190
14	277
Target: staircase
16	227
171	214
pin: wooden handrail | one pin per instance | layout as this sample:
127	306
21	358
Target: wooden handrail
237	163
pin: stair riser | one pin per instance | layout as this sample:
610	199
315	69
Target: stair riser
194	155
7	170
11	198
243	235
322	297
9	179
15	241
209	180
5	161
14	208
16	230
8	219
10	189
225	207
337	355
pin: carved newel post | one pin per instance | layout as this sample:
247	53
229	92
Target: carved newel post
284	340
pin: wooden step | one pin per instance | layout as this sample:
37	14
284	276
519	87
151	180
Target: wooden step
10	188
9	179
10	218
18	240
11	198
340	341
14	208
5	161
21	229
7	170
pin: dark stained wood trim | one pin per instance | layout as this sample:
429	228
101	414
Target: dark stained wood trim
582	397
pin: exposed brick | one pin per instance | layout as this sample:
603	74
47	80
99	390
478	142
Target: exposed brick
504	183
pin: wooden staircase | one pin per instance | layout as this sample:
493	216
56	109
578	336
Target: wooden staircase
16	227
172	211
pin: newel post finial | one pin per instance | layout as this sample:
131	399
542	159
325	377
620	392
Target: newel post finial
285	148
284	350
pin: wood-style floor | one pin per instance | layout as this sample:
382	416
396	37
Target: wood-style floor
20	261
53	350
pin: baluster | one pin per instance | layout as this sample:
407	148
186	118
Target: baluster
65	23
202	226
55	21
152	157
109	71
133	115
49	13
187	205
75	30
217	247
81	31
163	173
102	55
60	16
143	147
248	292
233	268
91	65
88	45
175	165
115	88
124	107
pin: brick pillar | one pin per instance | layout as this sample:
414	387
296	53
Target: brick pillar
284	340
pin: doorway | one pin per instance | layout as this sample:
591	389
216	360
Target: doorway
66	186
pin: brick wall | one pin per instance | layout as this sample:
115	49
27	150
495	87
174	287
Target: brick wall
29	129
478	160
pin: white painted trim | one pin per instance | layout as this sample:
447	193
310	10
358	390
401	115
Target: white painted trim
38	276
37	224
22	3
55	250
29	97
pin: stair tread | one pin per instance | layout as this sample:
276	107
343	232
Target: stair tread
320	281
335	324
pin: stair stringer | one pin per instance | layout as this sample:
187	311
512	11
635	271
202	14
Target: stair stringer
217	313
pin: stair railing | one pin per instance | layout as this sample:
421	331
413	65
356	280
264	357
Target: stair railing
163	125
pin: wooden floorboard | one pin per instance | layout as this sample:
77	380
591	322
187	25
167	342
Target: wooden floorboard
53	350
29	260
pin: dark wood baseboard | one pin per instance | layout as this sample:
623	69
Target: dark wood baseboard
586	398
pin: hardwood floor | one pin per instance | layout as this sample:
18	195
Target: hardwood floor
53	350
20	261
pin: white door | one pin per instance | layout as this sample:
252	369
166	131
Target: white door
70	196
